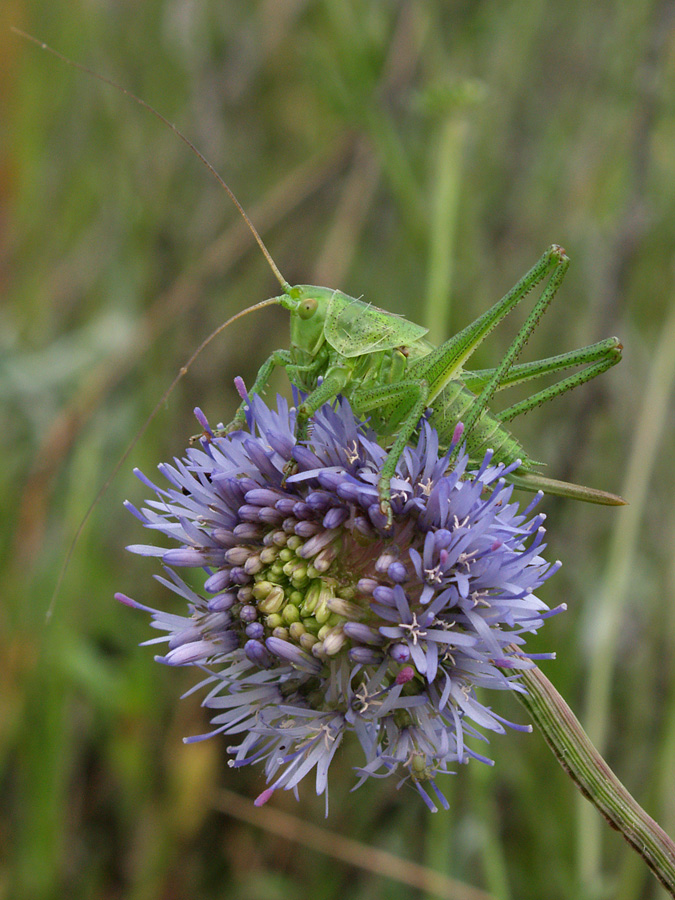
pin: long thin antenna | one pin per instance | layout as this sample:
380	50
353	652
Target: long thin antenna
285	286
139	434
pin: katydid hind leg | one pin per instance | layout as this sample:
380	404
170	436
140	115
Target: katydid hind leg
607	354
439	366
598	358
501	372
524	372
605	362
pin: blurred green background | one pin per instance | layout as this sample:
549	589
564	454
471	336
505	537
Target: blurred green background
422	155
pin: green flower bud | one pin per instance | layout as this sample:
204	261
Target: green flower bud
261	589
296	630
273	602
269	555
291	613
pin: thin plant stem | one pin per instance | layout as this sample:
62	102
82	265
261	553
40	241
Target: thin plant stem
596	781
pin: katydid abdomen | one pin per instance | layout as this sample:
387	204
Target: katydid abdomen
451	407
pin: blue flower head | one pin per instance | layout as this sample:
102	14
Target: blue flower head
312	620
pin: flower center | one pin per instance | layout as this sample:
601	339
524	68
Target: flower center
302	582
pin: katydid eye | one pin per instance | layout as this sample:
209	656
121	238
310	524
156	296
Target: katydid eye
307	308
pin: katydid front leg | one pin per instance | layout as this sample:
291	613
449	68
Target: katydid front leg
280	358
334	381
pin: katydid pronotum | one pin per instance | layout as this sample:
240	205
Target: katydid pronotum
391	374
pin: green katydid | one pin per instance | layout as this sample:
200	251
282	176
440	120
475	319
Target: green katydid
382	363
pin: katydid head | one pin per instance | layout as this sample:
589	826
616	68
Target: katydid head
308	306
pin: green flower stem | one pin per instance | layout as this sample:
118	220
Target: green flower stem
596	781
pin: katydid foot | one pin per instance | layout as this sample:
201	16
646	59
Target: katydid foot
384	493
388	513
